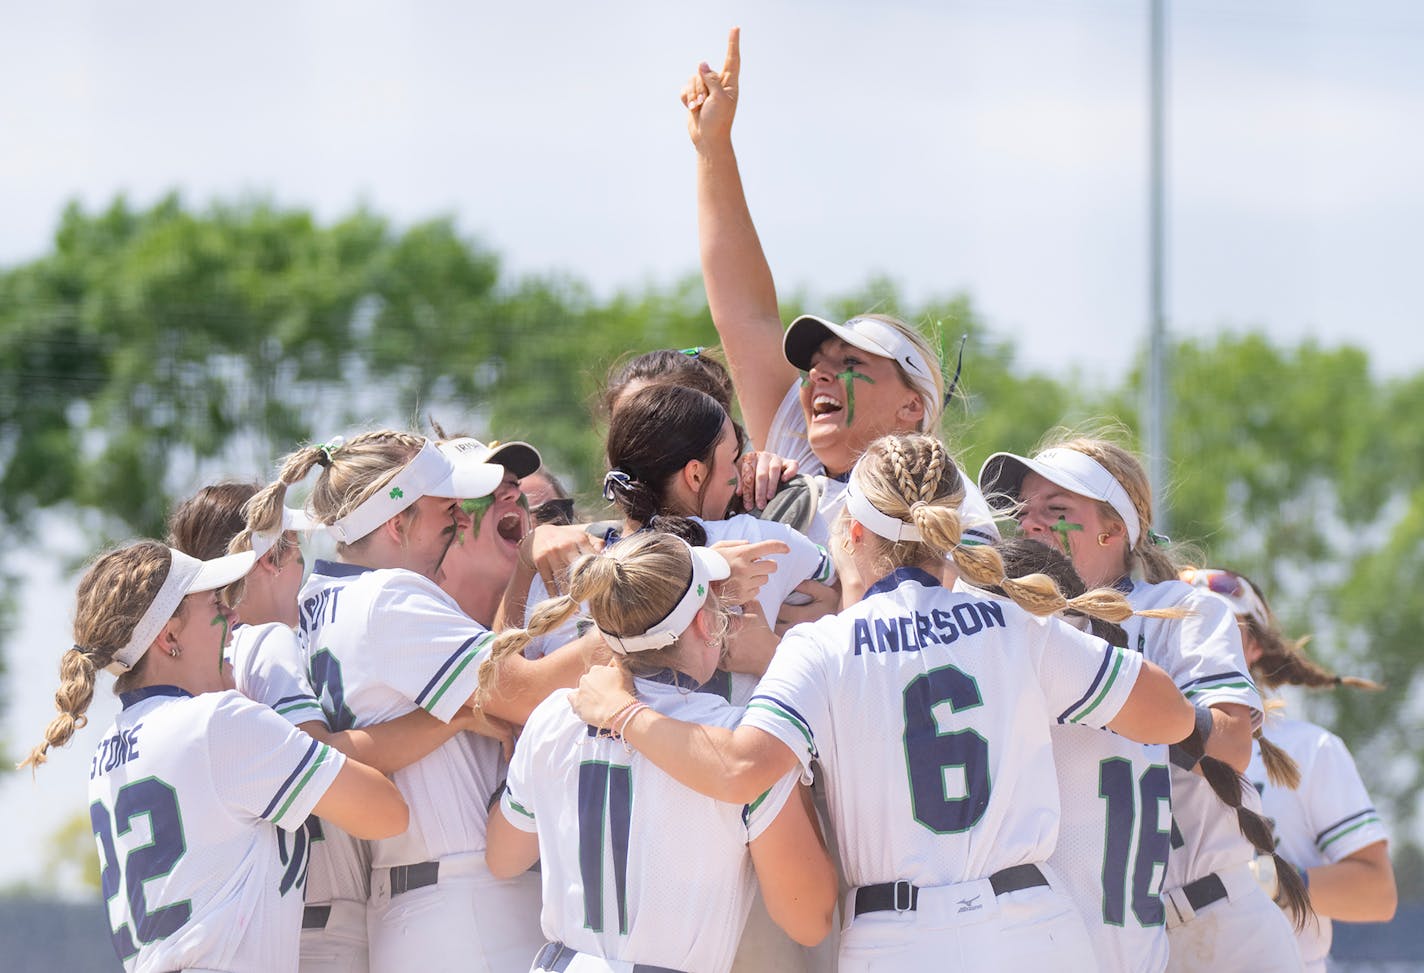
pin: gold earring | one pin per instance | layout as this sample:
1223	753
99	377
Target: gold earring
1103	539
173	652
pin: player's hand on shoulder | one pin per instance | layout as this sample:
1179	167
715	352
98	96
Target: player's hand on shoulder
751	566
601	693
815	601
762	474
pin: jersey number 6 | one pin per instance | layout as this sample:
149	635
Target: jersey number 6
930	753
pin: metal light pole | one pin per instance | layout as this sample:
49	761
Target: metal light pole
1156	397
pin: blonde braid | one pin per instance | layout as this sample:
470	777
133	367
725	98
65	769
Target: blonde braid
112	597
547	616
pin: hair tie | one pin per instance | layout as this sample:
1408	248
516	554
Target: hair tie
1161	540
328	448
692	352
613	481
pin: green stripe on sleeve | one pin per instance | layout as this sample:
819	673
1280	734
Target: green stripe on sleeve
810	741
450	680
1347	831
1107	685
321	756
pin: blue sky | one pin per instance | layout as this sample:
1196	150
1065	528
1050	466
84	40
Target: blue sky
998	148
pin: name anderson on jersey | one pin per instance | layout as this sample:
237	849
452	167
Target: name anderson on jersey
911	633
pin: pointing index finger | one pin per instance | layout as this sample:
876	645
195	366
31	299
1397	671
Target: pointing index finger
732	66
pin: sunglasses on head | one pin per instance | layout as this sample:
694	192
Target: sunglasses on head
1231	586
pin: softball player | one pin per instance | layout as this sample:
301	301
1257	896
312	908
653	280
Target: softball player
928	711
870	376
198	794
574	802
1326	826
1092	498
382	641
673	456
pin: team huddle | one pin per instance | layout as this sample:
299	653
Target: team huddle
812	696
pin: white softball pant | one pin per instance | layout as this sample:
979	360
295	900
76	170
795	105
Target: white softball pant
456	918
1242	931
1033	930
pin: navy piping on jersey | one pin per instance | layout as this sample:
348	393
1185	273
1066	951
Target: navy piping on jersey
790	709
300	697
1230	674
1102	669
1345	820
306	758
672	677
139	695
338	569
1123	584
440	673
900	576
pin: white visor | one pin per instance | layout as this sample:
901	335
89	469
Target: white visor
876	520
1002	477
445	471
292	519
707	566
808	332
185	576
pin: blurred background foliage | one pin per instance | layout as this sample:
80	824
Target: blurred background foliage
154	346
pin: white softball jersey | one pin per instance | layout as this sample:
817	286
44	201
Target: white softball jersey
195	801
1202	653
381	643
1326	820
929	710
636	867
806	561
270	667
787	439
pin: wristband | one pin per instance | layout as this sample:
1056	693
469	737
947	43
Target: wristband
1187	753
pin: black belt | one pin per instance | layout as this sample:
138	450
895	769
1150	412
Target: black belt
315	916
408	878
1204	891
904	897
558	957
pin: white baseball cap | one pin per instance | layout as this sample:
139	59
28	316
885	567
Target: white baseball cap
518	458
808	332
1002	475
186	575
445	471
707	566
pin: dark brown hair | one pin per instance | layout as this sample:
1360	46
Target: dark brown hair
652	435
696	368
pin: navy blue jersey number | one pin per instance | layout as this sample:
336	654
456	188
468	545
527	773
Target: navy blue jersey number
1153	790
605	791
154	799
326	683
929	753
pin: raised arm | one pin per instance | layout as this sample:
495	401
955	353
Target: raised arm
740	291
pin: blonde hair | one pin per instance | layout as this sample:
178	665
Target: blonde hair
1158	562
912	478
628	588
351	473
111	599
933	410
